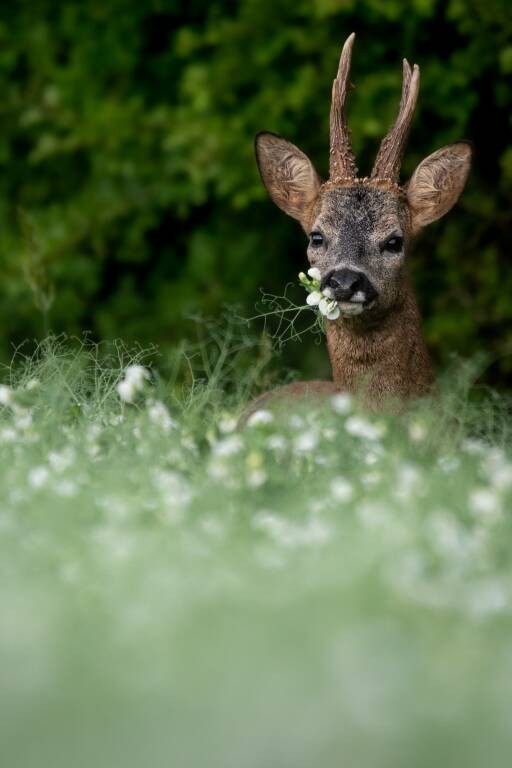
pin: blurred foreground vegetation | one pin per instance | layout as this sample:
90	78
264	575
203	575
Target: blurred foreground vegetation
129	196
323	588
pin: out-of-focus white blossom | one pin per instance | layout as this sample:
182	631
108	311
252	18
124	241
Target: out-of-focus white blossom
8	435
341	489
296	421
133	383
448	464
417	431
474	446
306	442
276	443
288	534
137	374
61	460
260	418
314	273
66	488
159	414
127	390
341	403
484	502
229	446
23	419
38	477
256	477
6	395
361	427
227	424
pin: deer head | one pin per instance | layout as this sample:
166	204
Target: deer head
360	229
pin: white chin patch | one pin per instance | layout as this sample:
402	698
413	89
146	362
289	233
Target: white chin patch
349	308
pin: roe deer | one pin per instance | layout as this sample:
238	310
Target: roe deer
360	230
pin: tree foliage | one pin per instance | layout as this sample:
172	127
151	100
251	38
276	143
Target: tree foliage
129	195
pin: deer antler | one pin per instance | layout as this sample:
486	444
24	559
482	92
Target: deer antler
342	163
389	158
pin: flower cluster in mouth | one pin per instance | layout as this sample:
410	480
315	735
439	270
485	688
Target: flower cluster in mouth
327	306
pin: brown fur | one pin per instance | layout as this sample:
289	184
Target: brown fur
382	349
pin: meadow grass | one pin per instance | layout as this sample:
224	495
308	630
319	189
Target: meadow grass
323	588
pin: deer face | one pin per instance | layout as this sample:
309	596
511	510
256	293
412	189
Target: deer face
359	230
358	240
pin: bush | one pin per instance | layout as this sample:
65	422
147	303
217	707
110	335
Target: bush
129	195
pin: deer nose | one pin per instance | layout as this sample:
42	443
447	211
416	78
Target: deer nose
347	284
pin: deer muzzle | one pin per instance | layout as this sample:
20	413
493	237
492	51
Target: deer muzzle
350	288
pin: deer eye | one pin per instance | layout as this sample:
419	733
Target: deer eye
394	244
316	239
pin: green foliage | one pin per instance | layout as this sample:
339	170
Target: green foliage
126	143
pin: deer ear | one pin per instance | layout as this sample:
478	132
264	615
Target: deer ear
437	183
288	175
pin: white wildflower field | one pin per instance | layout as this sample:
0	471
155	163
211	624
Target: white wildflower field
323	587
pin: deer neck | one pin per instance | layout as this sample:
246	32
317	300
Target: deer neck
388	360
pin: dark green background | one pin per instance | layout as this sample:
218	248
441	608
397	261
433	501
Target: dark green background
128	185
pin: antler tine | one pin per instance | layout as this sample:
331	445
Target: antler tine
342	163
406	79
387	163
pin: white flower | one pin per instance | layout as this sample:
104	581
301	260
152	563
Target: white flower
227	424
474	447
24	419
6	395
38	477
175	491
314	273
498	469
276	443
259	418
306	442
8	435
407	478
61	461
137	374
66	488
329	309
159	414
312	532
127	390
483	501
502	476
314	298
32	384
341	403
230	446
256	478
371	478
417	431
448	464
135	377
359	427
341	489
